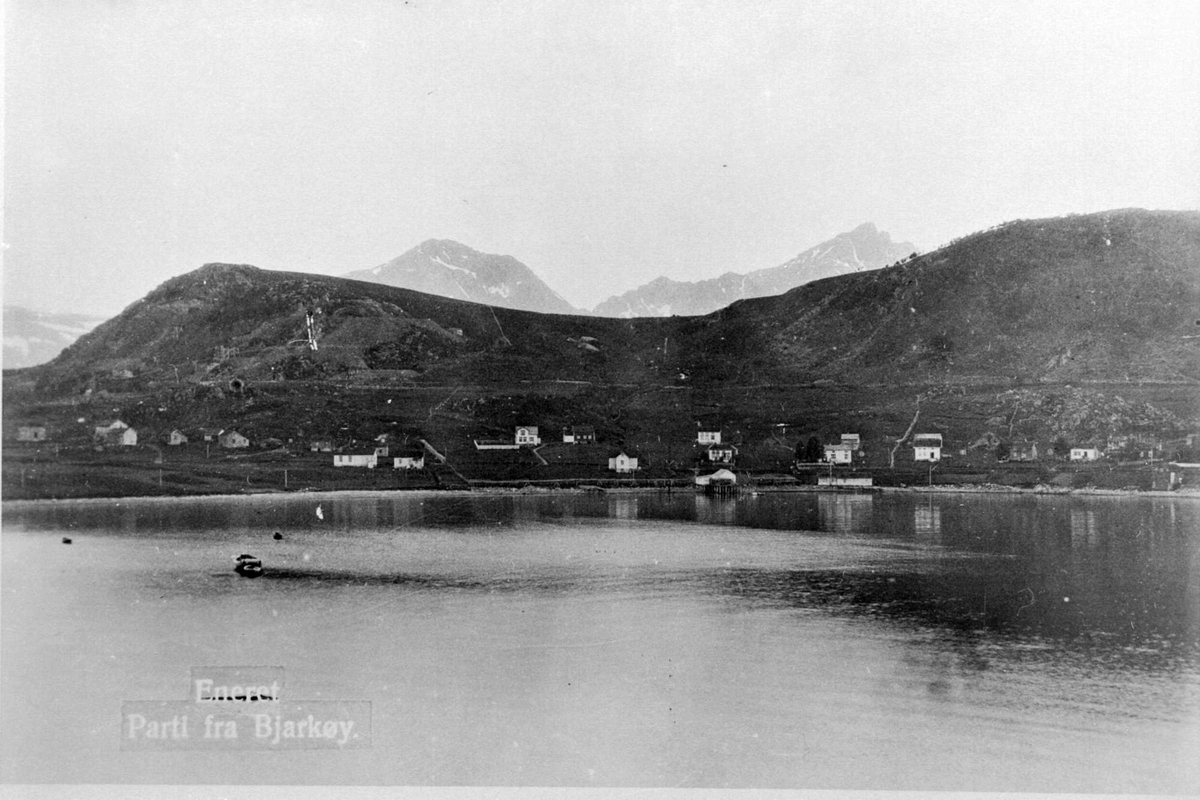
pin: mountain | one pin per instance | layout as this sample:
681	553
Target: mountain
449	269
1110	296
35	337
864	248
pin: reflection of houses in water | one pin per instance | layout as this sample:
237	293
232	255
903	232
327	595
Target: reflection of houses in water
362	515
1083	526
710	508
844	513
623	506
927	523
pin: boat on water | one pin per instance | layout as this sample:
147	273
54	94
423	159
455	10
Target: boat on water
248	566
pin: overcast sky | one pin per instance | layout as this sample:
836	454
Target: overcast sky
601	143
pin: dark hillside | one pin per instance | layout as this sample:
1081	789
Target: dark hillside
1110	296
235	321
1103	296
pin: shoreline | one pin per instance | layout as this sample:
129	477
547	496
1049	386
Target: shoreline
992	489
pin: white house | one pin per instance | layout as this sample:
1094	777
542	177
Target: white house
118	437
176	438
623	462
357	457
116	433
527	434
853	440
31	433
409	458
720	453
927	447
708	436
839	453
1085	454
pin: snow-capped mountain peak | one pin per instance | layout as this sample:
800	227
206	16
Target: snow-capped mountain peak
450	269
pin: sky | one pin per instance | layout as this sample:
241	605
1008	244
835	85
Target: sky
603	143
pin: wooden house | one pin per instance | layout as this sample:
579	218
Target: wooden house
409	458
579	434
839	453
623	462
527	435
1085	453
31	433
720	453
364	457
927	447
176	438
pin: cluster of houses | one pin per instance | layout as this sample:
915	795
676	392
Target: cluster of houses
713	452
371	456
621	461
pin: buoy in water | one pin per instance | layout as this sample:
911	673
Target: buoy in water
277	536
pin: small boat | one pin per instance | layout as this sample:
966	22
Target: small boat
248	566
66	540
278	536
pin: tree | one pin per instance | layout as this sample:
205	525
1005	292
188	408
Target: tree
813	450
1062	448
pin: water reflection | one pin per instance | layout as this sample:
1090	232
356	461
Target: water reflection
845	513
1083	526
1092	572
623	506
716	510
927	523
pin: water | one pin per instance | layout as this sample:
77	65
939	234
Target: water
949	642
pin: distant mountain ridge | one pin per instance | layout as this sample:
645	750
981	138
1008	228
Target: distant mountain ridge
864	248
35	337
1107	296
450	269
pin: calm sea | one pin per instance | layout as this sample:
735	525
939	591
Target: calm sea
952	642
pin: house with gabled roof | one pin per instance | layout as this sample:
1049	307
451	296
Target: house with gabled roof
116	434
176	438
527	435
579	434
409	458
720	453
927	447
839	453
623	461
